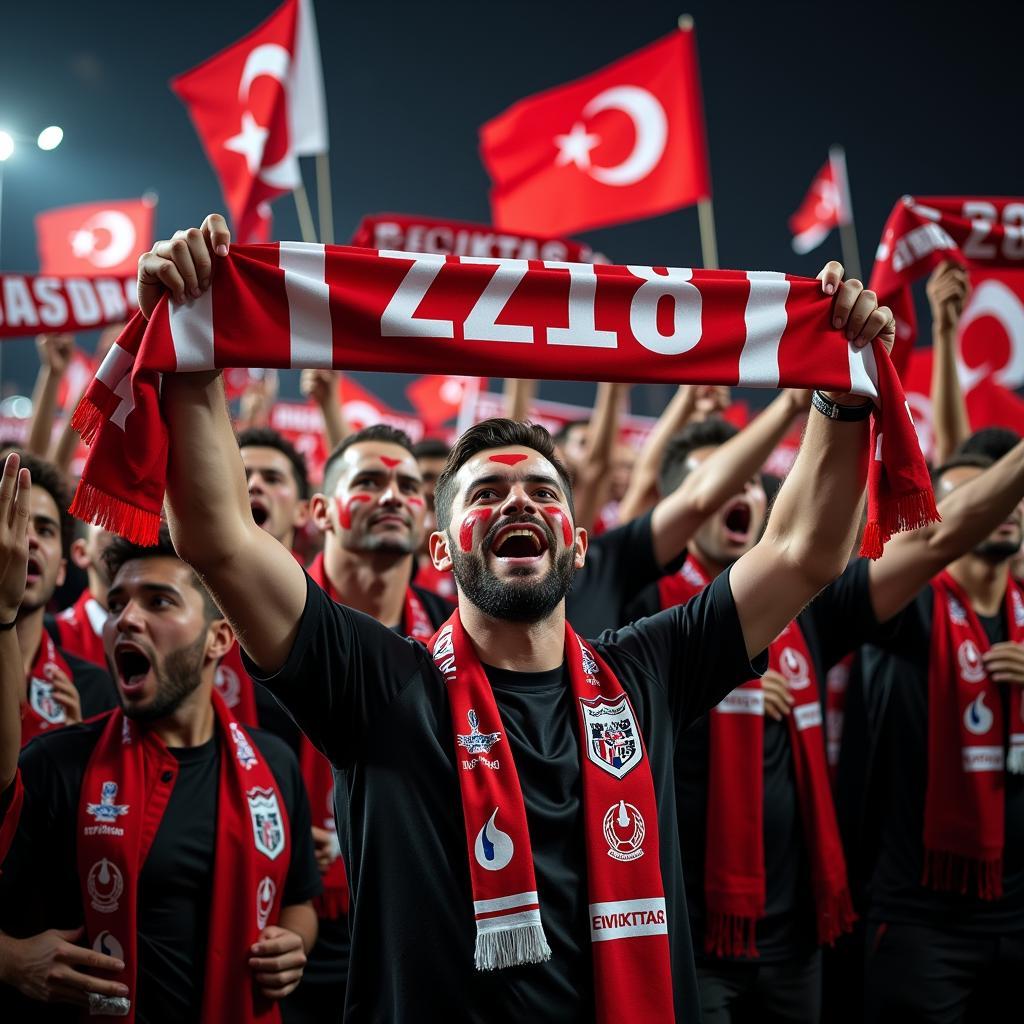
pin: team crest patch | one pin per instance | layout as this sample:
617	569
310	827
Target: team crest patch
243	748
266	891
957	614
590	666
107	810
105	883
228	685
612	735
795	668
475	741
44	704
267	825
972	668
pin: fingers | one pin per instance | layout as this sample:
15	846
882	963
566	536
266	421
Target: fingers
270	991
276	944
846	299
178	251
82	957
201	258
8	488
74	981
777	698
830	277
157	272
218	237
21	508
265	968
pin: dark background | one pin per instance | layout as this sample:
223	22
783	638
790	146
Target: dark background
925	98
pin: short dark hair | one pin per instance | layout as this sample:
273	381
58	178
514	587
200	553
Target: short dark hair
495	433
561	435
378	432
976	460
121	551
431	448
994	442
701	434
48	477
267	437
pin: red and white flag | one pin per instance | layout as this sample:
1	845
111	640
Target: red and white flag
623	143
826	205
257	107
95	238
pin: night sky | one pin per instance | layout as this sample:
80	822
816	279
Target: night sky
925	102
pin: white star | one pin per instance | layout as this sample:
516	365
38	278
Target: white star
82	243
575	147
249	142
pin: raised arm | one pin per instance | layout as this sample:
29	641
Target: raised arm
256	582
813	525
322	387
15	488
590	489
518	396
55	352
969	514
722	474
947	292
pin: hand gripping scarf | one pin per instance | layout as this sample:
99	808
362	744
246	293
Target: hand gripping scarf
295	305
316	769
734	870
41	710
628	925
964	807
125	791
80	629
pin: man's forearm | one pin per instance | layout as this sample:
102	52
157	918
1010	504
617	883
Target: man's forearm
590	490
301	919
44	412
12	684
949	410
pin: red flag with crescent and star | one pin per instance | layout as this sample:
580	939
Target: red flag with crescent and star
258	106
95	238
623	143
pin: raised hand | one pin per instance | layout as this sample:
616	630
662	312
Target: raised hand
947	289
15	488
55	351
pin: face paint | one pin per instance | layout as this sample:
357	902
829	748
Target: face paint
390	463
509	460
477	515
558	515
345	509
413	500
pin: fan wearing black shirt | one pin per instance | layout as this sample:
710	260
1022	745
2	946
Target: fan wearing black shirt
378	705
785	978
53	698
165	636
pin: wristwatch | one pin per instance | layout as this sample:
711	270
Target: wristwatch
842	413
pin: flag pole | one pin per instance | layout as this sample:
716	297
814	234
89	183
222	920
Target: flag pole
324	204
705	207
304	212
847	229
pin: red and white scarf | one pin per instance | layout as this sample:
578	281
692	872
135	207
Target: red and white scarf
964	807
236	687
292	305
628	923
316	769
41	710
734	867
80	629
125	791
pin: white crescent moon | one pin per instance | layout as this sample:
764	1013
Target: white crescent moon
269	59
993	298
651	124
122	237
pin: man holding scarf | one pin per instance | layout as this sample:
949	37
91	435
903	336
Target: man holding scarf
162	865
755	813
483	769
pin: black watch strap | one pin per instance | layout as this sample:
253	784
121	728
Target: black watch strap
842	413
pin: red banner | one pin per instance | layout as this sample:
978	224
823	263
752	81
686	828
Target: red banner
30	303
404	232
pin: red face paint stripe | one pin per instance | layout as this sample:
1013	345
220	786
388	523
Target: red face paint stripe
478	515
345	509
509	460
414	501
390	463
557	513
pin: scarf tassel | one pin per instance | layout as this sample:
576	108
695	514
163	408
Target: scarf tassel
951	872
730	935
835	916
89	416
896	515
133	523
511	947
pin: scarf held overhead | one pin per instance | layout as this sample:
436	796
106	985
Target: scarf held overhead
292	305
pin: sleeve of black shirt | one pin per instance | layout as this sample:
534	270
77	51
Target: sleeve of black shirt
647	602
695	650
625	555
343	670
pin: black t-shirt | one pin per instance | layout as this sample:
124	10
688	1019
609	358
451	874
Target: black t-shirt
39	887
377	706
619	564
896	674
838	620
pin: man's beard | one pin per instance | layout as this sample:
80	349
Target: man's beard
176	680
527	601
997	551
373	543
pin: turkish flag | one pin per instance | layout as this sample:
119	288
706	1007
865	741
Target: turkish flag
95	238
623	143
437	398
991	330
823	208
257	106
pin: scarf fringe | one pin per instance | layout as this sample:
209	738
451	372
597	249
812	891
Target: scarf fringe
952	872
511	947
835	916
136	524
88	417
897	515
730	935
331	904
